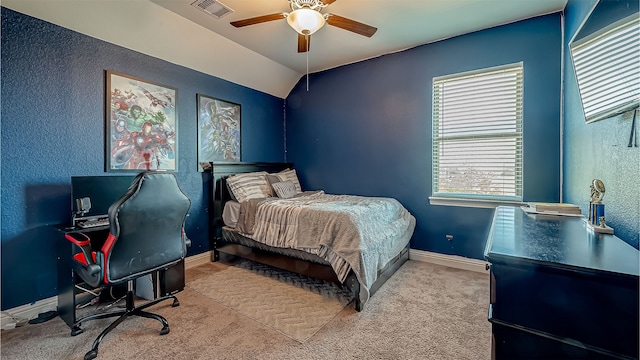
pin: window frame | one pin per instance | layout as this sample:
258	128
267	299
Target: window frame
470	199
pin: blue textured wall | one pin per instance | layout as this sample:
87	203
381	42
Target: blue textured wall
53	128
365	128
362	129
599	150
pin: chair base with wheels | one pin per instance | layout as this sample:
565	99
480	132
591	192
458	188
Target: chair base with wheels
130	310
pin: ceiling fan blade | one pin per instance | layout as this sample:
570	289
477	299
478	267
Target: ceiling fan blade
303	43
327	2
258	19
351	25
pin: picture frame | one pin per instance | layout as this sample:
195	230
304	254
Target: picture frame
141	124
219	130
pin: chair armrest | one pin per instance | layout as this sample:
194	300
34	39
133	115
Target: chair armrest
85	263
87	257
80	239
187	241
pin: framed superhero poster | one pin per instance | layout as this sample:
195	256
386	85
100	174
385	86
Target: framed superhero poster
141	125
218	130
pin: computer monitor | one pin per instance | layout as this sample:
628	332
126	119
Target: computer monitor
102	191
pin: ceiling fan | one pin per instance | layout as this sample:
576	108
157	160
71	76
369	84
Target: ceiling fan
305	18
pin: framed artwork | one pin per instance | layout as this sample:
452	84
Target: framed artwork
141	125
218	130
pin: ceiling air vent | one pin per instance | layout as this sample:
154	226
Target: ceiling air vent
213	8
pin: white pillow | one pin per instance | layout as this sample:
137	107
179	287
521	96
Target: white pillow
249	186
284	189
290	175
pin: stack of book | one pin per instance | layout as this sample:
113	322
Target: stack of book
553	208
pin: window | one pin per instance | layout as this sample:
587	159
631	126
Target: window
477	134
607	69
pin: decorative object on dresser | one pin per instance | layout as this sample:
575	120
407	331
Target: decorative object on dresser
596	221
245	229
559	291
552	208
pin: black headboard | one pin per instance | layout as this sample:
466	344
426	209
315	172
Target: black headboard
220	193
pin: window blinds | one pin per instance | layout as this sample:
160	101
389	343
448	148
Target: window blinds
607	67
477	134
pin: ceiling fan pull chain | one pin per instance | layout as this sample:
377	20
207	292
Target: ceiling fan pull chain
307	40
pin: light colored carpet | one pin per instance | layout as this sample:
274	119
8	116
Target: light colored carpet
294	305
424	312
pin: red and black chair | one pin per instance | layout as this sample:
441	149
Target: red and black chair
146	234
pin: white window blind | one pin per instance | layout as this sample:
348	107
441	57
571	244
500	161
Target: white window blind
477	134
607	66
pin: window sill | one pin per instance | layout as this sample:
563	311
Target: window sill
477	203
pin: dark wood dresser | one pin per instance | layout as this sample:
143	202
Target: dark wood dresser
560	291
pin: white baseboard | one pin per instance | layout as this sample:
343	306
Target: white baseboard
453	261
11	317
199	259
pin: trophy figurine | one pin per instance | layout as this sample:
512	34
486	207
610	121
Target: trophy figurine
596	207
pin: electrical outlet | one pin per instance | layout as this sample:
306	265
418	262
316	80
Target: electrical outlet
449	237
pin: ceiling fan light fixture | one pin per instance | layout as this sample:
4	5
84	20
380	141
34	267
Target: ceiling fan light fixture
305	21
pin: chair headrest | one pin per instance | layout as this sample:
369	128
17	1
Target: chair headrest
149	192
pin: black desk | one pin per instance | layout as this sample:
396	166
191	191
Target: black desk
168	281
560	291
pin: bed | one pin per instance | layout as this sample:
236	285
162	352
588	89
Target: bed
289	229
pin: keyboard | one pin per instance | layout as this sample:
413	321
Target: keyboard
93	223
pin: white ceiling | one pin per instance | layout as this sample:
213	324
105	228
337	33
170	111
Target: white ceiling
401	24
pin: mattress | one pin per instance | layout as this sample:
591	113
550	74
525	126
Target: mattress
230	213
